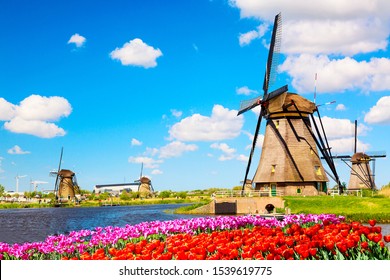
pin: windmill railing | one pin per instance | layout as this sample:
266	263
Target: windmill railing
245	193
357	192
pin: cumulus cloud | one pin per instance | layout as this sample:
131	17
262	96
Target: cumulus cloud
246	91
222	124
16	150
337	75
137	53
147	161
259	141
135	142
346	145
341	107
176	149
77	39
228	153
35	115
380	113
7	110
246	38
325	42
156	172
340	28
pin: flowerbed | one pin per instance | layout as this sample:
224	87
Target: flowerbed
218	238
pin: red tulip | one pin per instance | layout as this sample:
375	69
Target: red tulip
372	222
386	238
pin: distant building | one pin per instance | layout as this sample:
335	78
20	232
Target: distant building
117	188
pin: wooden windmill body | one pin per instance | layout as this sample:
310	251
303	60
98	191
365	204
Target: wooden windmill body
361	175
290	163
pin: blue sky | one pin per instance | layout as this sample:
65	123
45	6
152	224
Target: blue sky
120	83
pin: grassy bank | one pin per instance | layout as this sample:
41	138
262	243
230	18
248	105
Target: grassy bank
352	207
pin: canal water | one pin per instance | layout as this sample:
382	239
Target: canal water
35	224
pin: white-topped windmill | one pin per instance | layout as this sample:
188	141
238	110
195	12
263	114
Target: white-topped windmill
289	160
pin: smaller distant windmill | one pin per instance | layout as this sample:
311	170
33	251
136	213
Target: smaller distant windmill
17	177
66	186
36	183
145	184
361	176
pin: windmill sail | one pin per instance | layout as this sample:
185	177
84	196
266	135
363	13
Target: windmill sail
269	76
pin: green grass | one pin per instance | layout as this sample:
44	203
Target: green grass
352	207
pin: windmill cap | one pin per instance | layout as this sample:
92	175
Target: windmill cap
66	173
359	157
288	103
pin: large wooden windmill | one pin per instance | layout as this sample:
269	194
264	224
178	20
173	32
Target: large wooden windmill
66	186
289	161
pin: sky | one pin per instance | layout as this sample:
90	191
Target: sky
124	84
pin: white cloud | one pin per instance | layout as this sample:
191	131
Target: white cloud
380	113
7	110
341	107
35	115
340	28
246	38
337	75
33	127
41	108
228	152
176	113
346	145
243	158
135	142
246	91
312	39
259	141
222	124
16	150
137	53
147	161
341	128
77	39
176	149
156	172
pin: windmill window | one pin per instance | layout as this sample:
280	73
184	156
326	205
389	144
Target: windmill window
277	124
273	166
299	190
318	170
311	151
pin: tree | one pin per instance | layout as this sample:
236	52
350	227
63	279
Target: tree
2	190
164	194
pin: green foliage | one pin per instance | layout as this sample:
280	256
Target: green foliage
164	194
2	190
352	207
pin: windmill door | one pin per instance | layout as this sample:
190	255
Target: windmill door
273	189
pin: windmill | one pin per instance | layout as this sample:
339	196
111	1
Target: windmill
17	177
36	183
362	176
66	186
145	184
289	161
